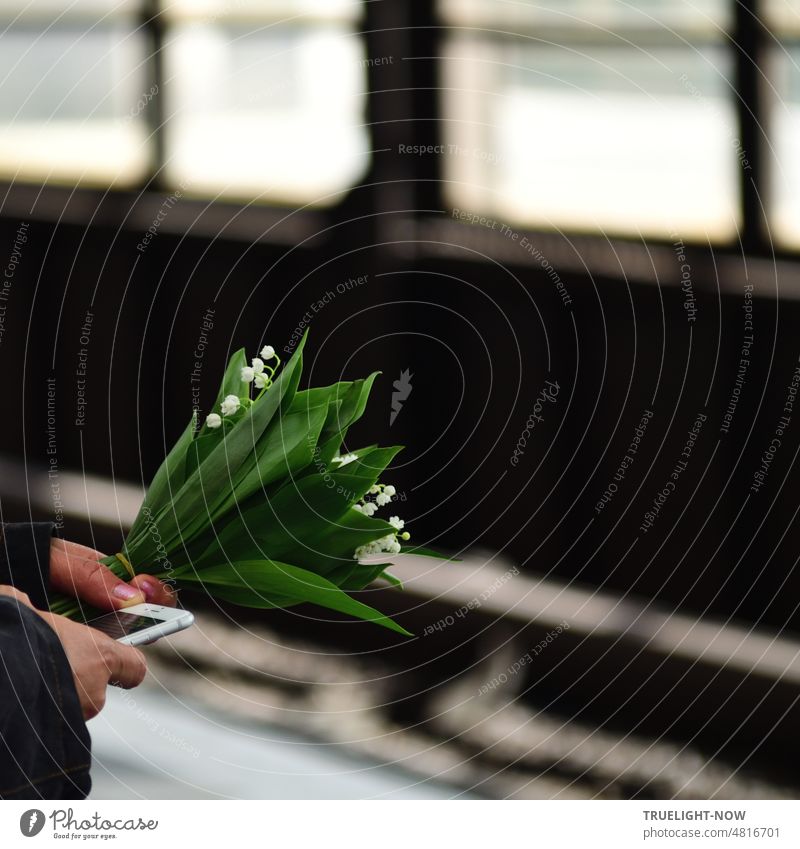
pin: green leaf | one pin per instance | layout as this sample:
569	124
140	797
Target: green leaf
309	521
286	448
353	403
199	450
244	597
192	507
232	383
392	579
269	579
362	577
167	480
371	464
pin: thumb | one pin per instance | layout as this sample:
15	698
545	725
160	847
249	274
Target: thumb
126	666
84	577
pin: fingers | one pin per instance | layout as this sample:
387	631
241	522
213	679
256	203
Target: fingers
13	592
127	666
96	661
76	571
155	591
82	551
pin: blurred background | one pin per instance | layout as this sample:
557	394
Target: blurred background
575	226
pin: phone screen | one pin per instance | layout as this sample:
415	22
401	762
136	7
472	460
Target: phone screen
122	624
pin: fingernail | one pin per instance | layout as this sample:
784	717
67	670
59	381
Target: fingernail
125	592
149	589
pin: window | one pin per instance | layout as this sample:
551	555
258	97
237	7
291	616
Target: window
593	115
72	90
253	99
265	99
598	116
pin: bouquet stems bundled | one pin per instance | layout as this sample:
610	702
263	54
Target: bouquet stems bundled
257	506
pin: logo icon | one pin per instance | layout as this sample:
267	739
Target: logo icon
31	822
403	389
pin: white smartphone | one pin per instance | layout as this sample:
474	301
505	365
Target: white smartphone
142	623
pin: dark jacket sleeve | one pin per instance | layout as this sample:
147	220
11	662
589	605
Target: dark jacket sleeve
25	558
44	742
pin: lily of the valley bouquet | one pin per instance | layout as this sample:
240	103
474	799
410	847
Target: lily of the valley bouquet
257	505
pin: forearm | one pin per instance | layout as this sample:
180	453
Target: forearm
25	558
44	742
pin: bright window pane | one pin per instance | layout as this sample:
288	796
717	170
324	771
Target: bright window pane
72	96
784	196
70	9
268	110
276	10
579	130
695	16
782	17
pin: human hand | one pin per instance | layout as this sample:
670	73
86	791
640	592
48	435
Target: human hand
75	570
94	658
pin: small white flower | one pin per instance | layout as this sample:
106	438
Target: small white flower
397	522
405	536
368	548
248	374
382	499
213	420
374	489
261	380
230	405
358	507
345	459
258	365
390	490
267	352
369	509
388	543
